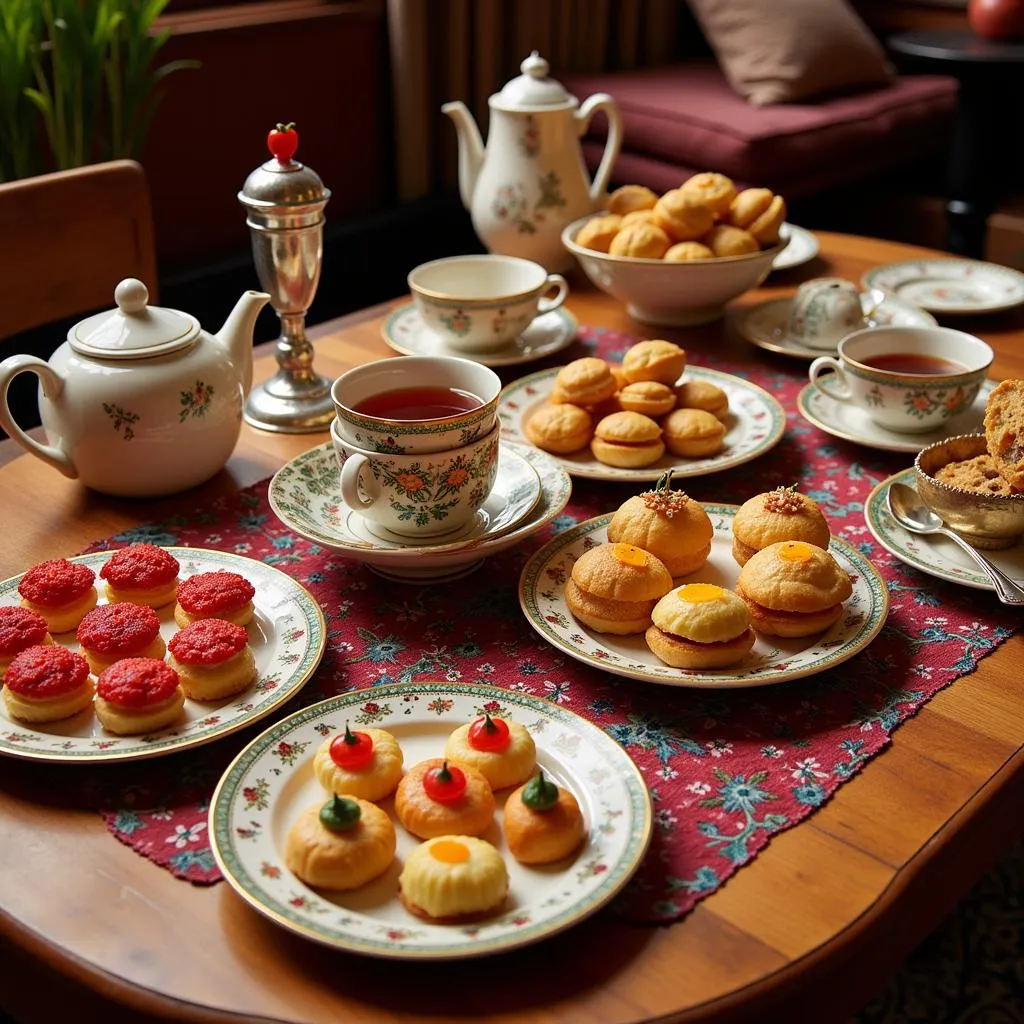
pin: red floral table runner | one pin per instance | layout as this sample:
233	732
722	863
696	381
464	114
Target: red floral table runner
726	769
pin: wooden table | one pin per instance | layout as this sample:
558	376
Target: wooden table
809	929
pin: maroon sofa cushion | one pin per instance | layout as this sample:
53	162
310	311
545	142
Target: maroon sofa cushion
688	117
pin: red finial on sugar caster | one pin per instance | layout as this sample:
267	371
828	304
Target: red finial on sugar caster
282	141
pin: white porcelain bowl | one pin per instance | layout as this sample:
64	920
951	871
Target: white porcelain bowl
670	293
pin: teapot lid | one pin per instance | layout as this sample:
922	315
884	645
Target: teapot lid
533	88
135	330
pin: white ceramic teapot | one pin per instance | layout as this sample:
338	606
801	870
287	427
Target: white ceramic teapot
140	401
531	180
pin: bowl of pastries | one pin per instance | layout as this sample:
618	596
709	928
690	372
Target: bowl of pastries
678	258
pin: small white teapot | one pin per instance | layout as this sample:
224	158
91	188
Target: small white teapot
140	401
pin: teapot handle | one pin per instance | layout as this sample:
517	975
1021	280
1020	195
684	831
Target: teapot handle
52	385
590	106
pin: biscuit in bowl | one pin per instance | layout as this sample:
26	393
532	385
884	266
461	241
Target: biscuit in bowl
657	360
543	822
729	240
693	433
748	205
700	626
641	240
682	251
683	216
598	234
585	381
627	439
628	199
561	429
766	227
781	514
453	878
716	190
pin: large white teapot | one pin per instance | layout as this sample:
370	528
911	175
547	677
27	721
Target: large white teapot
140	401
531	180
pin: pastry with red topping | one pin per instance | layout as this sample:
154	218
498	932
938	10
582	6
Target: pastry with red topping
365	763
111	632
20	628
543	822
61	591
46	684
501	750
436	798
212	658
142	574
138	695
215	595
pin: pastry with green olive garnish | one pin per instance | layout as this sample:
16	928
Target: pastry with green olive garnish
543	822
502	751
436	798
366	764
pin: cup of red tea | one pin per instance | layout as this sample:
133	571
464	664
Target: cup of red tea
414	404
907	379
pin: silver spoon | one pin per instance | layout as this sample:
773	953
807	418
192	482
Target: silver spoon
910	511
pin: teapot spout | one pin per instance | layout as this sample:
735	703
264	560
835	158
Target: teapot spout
471	149
236	334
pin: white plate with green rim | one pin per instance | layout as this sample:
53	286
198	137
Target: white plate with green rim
405	332
802	247
935	555
772	660
755	425
272	780
950	285
287	635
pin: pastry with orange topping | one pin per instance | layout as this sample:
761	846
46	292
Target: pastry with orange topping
114	631
793	589
782	514
627	439
142	574
20	628
700	626
500	749
453	878
61	591
366	763
435	798
213	658
215	595
543	822
47	683
138	695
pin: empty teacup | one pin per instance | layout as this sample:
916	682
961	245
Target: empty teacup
824	311
907	379
480	303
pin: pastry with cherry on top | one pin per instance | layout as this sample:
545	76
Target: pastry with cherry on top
142	574
47	684
20	628
453	878
113	631
59	590
213	659
366	764
501	750
138	695
543	822
215	595
436	798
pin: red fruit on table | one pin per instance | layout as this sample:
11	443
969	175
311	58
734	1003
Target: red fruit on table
996	19
283	140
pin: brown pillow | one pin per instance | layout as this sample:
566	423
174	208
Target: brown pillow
781	51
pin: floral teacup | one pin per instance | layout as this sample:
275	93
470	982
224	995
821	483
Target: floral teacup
824	311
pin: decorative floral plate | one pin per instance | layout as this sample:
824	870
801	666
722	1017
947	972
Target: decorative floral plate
772	660
935	554
755	425
272	780
803	246
818	405
950	285
405	332
287	635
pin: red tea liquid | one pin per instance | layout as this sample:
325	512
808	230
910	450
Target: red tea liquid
418	404
913	362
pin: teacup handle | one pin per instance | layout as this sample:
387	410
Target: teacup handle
351	473
840	389
554	281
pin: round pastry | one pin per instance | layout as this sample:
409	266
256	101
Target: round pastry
647	396
693	433
729	240
213	659
114	631
682	251
614	587
683	216
138	695
215	595
793	589
560	428
700	626
341	844
715	190
766	227
584	381
1004	430
366	764
630	199
142	574
702	394
453	878
627	439
502	751
748	205
641	240
20	628
668	524
782	514
543	822
46	683
638	217
435	799
597	234
60	591
663	361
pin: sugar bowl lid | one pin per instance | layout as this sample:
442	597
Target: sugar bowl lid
135	330
533	88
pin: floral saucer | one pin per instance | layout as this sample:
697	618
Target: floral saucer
803	246
766	324
772	660
818	405
405	332
950	285
305	494
935	555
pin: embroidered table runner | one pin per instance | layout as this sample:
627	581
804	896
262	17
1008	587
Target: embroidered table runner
726	769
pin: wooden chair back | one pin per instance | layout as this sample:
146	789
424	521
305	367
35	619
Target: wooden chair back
68	238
